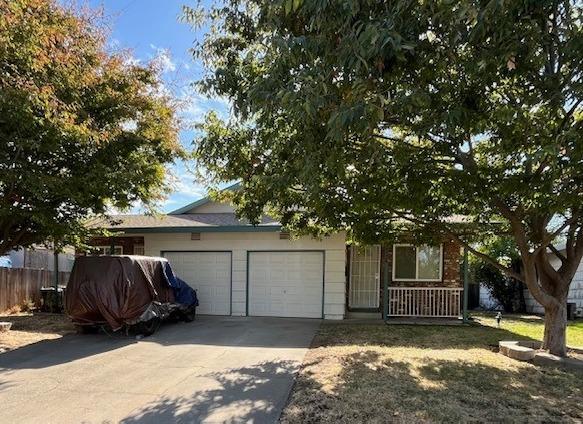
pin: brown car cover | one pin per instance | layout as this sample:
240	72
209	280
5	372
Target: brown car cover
116	290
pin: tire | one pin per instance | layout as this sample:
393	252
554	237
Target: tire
190	314
86	329
175	316
149	327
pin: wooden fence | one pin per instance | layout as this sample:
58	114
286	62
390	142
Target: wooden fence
21	284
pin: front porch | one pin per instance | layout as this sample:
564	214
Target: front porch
403	283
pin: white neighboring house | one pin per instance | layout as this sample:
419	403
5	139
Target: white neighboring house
41	258
488	302
575	291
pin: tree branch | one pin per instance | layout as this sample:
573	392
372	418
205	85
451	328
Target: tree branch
551	236
444	228
558	253
508	271
399	140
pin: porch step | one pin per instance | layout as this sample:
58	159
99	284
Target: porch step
364	315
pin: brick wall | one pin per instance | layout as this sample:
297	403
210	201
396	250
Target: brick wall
451	267
452	260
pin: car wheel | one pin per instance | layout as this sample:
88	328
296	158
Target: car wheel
149	327
86	329
190	314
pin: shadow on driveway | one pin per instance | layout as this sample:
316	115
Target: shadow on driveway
211	370
205	331
247	393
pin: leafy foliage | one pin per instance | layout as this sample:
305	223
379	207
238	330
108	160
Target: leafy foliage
367	115
81	130
506	290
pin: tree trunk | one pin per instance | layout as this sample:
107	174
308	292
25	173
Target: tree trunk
555	330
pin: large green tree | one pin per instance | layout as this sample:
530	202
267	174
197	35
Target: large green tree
369	114
81	130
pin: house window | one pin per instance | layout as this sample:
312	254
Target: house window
417	263
106	250
139	249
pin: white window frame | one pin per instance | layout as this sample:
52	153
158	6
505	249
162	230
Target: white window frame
140	246
106	250
433	280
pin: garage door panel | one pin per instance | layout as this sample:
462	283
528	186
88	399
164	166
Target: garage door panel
210	274
278	276
259	275
286	284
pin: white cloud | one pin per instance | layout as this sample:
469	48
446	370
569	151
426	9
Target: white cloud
195	105
183	182
189	188
132	61
163	58
114	43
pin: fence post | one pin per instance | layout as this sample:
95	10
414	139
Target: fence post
385	291
466	285
56	270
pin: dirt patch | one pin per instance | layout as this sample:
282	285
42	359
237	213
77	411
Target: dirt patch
33	328
377	374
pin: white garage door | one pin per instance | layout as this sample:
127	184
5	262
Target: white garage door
286	284
210	274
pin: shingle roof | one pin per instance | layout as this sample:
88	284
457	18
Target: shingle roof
202	220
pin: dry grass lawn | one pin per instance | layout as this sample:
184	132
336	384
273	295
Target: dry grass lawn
374	373
32	328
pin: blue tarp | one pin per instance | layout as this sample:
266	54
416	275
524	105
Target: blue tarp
5	262
183	293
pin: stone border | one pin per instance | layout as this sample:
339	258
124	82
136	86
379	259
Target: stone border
5	326
518	350
526	350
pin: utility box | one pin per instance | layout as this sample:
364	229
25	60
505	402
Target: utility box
571	310
51	302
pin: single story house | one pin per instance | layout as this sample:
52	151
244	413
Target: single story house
243	270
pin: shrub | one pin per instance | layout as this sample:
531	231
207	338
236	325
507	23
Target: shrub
27	305
506	290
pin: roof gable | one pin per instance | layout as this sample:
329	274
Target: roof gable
195	206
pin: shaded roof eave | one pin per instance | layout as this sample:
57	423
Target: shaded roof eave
200	229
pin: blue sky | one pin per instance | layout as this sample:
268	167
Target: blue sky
152	31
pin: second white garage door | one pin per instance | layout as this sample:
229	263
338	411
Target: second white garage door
286	284
210	274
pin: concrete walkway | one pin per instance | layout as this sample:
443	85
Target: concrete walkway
211	370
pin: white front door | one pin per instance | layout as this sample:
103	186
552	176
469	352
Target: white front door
286	284
210	274
365	270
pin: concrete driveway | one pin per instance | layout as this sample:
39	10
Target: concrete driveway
211	370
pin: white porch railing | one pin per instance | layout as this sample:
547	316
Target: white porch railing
436	302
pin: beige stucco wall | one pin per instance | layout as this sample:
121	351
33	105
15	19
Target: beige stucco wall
240	243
